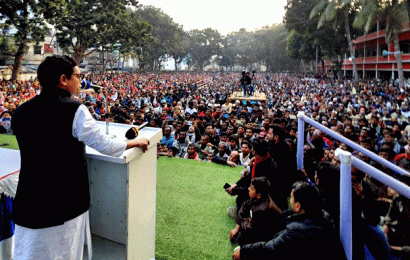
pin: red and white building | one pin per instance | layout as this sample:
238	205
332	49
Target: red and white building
369	59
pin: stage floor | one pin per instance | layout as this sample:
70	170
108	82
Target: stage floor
257	96
104	249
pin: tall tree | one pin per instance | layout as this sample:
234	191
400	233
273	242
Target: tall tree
303	30
229	54
396	14
7	48
337	12
270	48
167	35
94	24
180	48
205	44
28	18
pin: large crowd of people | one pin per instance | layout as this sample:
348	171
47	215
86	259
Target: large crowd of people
200	122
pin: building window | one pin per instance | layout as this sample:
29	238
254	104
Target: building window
370	51
359	53
405	46
37	49
381	48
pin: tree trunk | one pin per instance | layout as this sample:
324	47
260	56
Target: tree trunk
78	53
18	58
398	60
349	40
103	61
175	64
303	66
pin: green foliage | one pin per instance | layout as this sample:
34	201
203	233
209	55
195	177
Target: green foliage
95	24
28	18
6	47
297	16
394	13
168	38
270	49
324	25
204	44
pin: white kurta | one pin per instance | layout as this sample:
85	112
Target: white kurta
66	242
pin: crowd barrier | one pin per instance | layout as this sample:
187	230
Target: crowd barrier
346	162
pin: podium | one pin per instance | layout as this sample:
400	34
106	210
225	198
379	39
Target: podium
123	195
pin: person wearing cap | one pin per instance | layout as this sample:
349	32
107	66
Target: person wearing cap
52	200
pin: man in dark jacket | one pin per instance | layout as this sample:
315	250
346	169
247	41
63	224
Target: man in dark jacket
259	218
263	166
308	234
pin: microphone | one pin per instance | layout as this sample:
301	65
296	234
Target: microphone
86	85
134	131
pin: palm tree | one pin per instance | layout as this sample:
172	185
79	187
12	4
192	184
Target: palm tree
395	13
338	12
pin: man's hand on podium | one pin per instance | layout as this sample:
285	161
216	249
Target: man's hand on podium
140	142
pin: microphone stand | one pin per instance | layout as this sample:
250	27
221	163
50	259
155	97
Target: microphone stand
106	115
99	88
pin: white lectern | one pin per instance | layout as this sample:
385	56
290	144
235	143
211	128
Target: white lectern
123	193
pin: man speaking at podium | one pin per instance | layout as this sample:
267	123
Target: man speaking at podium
53	198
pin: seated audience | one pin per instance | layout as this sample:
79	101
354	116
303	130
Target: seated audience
309	232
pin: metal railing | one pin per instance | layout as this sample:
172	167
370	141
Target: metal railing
346	162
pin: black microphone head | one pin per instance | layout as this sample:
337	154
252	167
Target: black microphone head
132	133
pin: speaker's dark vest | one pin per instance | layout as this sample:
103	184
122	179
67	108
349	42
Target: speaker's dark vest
53	184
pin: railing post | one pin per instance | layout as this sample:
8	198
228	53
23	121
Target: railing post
301	140
345	200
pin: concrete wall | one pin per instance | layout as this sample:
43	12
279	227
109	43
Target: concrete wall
25	76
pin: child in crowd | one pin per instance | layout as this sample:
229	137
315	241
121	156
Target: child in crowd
162	150
259	218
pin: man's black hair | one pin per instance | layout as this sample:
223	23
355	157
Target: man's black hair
261	147
262	186
308	196
234	138
248	143
51	69
389	149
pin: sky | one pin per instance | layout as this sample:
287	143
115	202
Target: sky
223	15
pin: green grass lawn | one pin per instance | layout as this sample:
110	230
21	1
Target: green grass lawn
11	139
192	222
